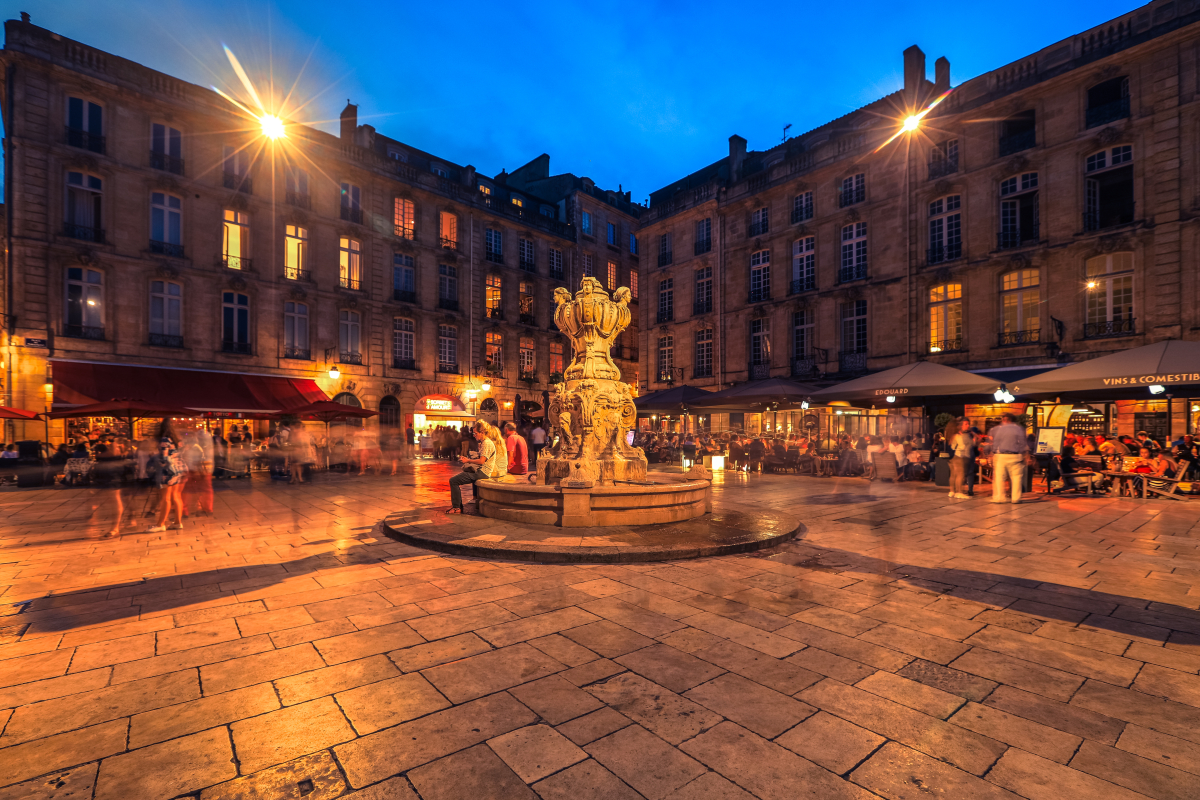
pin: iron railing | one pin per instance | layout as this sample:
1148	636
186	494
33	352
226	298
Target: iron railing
1012	338
346	282
527	265
166	248
85	140
165	340
297	274
350	358
760	371
237	262
943	252
448	303
239	183
807	284
1108	112
528	319
857	272
665	259
402	232
760	295
83	332
849	197
404	296
1095	221
946	345
298	199
350	214
1104	330
850	361
556	274
404	363
702	306
1006	240
84	232
701	246
448	243
494	313
1016	142
665	316
494	257
450	369
166	163
804	366
942	167
298	353
240	348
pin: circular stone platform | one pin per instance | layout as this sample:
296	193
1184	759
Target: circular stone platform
716	534
667	501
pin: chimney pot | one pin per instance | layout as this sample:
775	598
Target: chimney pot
349	121
737	154
914	72
941	73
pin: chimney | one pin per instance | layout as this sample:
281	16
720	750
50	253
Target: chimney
469	176
941	72
914	72
349	121
737	154
364	136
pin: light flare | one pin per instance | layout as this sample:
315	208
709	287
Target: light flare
913	122
272	126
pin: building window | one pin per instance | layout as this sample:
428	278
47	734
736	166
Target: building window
296	185
237	170
404	218
349	263
1018	132
945	318
352	203
82	219
295	253
166	314
586	222
612	275
854	252
633	246
485	190
945	229
493	350
85	124
492	299
704	291
612	233
802	207
943	159
588	268
1020	307
703	235
760	342
556	263
760	276
235	239
448	229
556	361
235	323
760	221
85	303
854	326
526	251
1109	295
666	358
447	348
166	224
166	148
1108	188
448	286
404	279
403	343
525	298
295	330
664	250
804	264
517	201
633	283
439	171
666	300
494	245
802	333
396	154
527	358
853	190
704	355
1019	210
350	336
1108	102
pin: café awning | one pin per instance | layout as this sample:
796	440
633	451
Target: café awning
771	394
912	385
1172	365
79	383
677	398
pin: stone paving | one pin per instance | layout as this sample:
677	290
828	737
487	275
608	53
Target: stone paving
903	646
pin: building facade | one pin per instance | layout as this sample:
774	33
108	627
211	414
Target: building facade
151	223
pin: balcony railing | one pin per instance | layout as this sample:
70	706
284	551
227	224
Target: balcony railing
1013	338
350	358
84	232
448	303
804	367
1104	330
494	313
404	363
239	183
1108	112
351	214
450	369
702	371
528	319
165	340
1006	240
1016	142
801	214
240	348
528	266
88	141
802	285
237	262
946	346
857	272
346	282
297	274
664	259
448	243
556	274
1095	221
702	306
942	252
297	353
759	228
166	163
402	232
494	257
849	197
942	167
529	376
760	371
850	361
298	199
404	296
83	332
760	295
166	248
702	246
665	316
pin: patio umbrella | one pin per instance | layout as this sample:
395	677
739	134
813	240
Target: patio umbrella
1169	366
16	413
328	411
912	385
677	398
772	394
127	408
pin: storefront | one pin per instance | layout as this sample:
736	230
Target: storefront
439	409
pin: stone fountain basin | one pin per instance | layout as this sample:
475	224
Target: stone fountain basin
597	506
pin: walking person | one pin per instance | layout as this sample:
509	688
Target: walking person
961	443
303	454
170	477
537	441
491	461
1010	453
410	442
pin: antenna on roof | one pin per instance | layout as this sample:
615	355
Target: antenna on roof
785	130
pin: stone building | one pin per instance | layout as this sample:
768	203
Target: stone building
1041	213
153	227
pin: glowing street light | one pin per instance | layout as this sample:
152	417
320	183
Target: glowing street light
1091	284
272	126
334	372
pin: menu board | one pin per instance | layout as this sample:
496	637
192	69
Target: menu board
1049	441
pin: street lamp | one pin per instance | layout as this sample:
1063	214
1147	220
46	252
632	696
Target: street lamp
334	372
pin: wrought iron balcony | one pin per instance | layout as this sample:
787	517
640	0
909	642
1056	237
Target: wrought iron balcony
665	259
165	340
448	303
528	265
240	348
404	363
84	232
759	295
946	346
667	315
351	214
942	167
942	252
450	369
448	243
849	197
858	272
85	140
494	257
702	306
802	214
1016	142
1097	221
166	163
1108	112
84	332
166	249
1014	338
703	371
404	296
1006	240
759	228
556	274
528	319
529	376
350	358
297	274
806	284
760	371
346	282
402	232
1104	330
237	262
804	367
494	313
851	361
298	199
701	246
297	353
239	183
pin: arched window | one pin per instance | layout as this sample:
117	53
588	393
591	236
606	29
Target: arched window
1108	101
1108	188
945	318
389	412
1020	312
404	218
493	354
1019	210
489	404
347	399
1109	296
82	218
493	298
945	229
166	314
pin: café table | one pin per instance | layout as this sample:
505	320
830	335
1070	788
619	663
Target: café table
1121	478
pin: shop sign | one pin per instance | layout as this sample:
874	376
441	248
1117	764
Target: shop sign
31	342
1139	380
433	404
891	391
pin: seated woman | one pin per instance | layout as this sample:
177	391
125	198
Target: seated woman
876	446
914	469
1144	464
1165	467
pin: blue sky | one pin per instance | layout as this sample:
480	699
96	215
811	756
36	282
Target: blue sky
631	93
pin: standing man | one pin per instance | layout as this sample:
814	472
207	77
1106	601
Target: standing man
537	440
410	442
1010	451
518	450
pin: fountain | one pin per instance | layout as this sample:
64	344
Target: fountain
592	475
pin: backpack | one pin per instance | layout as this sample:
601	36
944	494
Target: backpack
173	469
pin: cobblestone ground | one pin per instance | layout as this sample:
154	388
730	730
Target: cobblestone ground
904	646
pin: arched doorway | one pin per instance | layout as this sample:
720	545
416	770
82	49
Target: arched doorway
489	410
389	412
344	428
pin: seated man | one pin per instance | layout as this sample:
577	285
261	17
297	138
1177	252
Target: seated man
518	450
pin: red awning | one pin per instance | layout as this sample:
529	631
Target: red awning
79	383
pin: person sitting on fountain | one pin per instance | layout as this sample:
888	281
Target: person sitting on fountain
490	462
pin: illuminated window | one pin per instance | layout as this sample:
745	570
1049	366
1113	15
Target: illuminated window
945	318
448	229
527	357
493	349
612	275
1020	299
350	263
633	280
1110	294
526	299
492	297
556	358
85	302
236	239
295	252
404	218
518	202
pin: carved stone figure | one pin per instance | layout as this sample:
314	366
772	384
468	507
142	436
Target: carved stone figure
592	410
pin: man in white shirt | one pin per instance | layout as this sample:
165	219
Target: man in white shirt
895	448
537	440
